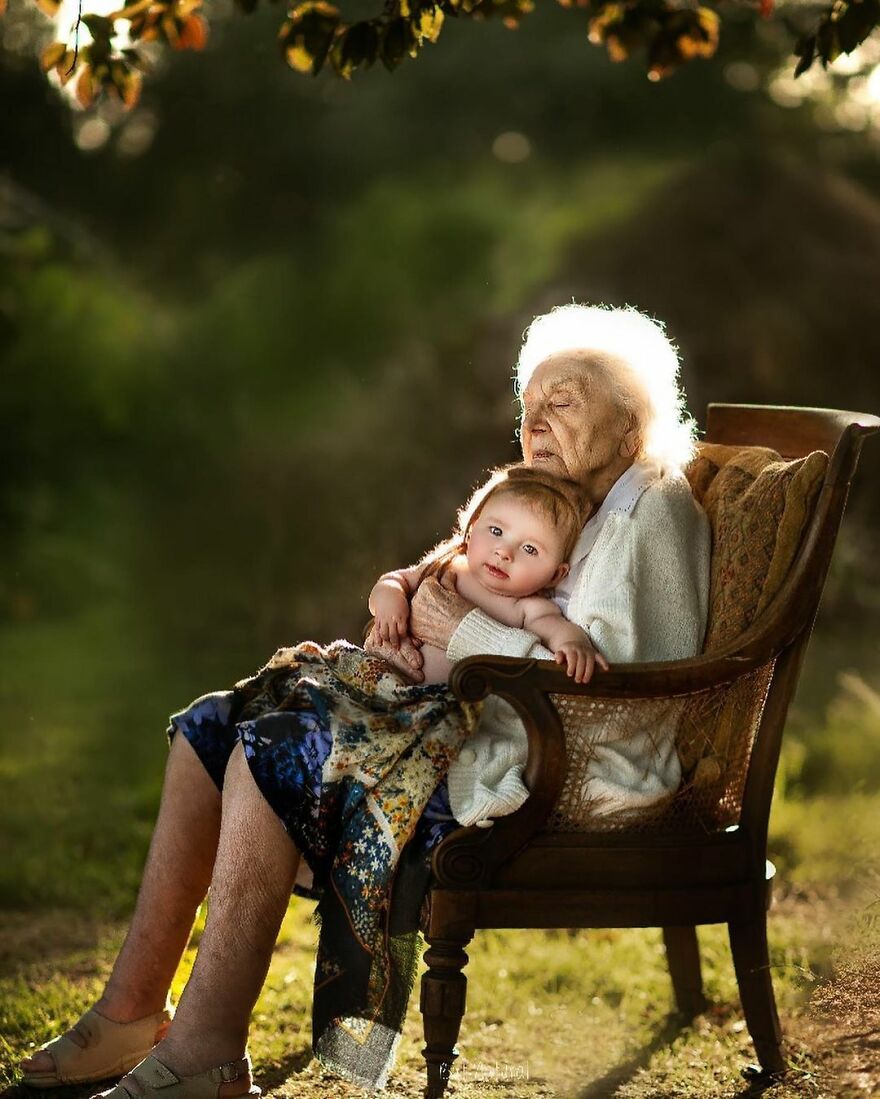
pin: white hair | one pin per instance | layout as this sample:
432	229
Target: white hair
641	364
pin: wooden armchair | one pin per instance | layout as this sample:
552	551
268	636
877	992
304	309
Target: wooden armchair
698	858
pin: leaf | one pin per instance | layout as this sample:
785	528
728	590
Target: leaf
664	55
356	46
827	43
849	34
193	34
127	83
610	15
396	42
307	38
701	37
710	22
146	29
169	28
100	26
617	51
621	34
341	66
856	23
86	87
137	60
361	44
806	51
299	58
65	67
313	7
51	55
49	7
429	24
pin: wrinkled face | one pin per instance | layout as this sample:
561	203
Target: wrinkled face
571	423
514	549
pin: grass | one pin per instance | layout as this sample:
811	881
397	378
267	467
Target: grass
86	700
583	1014
550	1013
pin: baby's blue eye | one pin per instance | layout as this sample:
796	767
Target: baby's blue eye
530	550
496	531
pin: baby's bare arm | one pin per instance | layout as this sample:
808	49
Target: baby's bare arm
570	644
404	580
389	603
544	618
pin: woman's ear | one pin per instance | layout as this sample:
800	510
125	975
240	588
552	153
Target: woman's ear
561	572
630	444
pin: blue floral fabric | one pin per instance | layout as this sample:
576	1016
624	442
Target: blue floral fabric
353	760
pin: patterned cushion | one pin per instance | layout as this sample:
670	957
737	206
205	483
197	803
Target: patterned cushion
758	505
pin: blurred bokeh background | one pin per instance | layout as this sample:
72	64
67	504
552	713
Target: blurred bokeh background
256	341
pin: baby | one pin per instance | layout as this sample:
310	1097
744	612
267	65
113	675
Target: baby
511	547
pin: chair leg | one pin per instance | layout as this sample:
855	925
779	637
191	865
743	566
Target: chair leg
442	1005
751	960
683	957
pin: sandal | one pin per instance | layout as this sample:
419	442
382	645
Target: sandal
159	1082
110	1049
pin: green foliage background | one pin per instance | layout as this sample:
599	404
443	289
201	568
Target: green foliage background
264	359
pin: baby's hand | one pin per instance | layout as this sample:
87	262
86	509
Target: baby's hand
580	659
406	659
393	626
391	610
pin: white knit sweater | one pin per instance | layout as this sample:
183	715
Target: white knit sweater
640	587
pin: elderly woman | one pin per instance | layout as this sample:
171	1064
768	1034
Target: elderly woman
601	405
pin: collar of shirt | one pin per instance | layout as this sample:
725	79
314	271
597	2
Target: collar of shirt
621	498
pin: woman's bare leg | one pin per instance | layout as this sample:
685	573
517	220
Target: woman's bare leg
254	873
175	880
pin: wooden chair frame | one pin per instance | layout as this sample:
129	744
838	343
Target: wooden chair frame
516	875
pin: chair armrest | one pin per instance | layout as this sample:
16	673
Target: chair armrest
469	857
477	676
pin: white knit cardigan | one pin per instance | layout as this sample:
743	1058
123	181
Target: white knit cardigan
642	594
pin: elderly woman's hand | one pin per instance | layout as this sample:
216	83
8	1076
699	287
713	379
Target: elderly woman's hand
406	658
436	610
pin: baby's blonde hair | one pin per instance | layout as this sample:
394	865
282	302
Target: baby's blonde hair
556	498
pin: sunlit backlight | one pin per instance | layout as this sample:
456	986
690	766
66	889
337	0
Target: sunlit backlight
511	147
845	96
137	134
787	91
742	76
872	84
68	14
16	37
65	23
91	134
